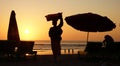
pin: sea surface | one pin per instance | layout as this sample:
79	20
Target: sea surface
44	47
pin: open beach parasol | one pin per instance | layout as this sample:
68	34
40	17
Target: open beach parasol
90	22
13	33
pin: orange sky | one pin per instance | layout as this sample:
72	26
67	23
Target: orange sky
32	24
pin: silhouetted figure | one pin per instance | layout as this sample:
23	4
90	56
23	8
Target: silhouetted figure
108	41
13	33
55	35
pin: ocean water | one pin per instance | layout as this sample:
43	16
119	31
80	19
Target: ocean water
44	47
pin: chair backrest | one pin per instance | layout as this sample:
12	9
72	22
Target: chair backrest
93	47
25	46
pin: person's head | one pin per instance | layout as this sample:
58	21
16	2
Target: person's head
107	36
54	22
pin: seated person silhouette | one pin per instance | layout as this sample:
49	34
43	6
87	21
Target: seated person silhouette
108	42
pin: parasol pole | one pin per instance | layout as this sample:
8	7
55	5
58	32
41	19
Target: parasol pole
87	36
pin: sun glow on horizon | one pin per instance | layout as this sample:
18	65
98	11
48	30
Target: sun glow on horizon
27	31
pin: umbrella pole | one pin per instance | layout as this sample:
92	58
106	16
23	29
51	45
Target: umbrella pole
87	36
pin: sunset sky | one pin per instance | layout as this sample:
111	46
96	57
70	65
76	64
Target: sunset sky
32	24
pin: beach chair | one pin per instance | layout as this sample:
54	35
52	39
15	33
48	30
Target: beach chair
93	49
114	50
6	48
26	47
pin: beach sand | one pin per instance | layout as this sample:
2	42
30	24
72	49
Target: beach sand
63	60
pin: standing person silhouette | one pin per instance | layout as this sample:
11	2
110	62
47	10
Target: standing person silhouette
55	33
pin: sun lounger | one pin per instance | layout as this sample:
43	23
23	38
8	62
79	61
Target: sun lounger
26	47
93	49
17	49
7	48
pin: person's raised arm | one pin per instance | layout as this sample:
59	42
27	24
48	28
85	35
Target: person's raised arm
61	20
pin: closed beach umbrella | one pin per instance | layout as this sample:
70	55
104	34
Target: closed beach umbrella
13	33
90	22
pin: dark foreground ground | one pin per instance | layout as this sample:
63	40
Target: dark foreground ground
63	60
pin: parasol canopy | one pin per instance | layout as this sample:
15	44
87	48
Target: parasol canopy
90	22
13	33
